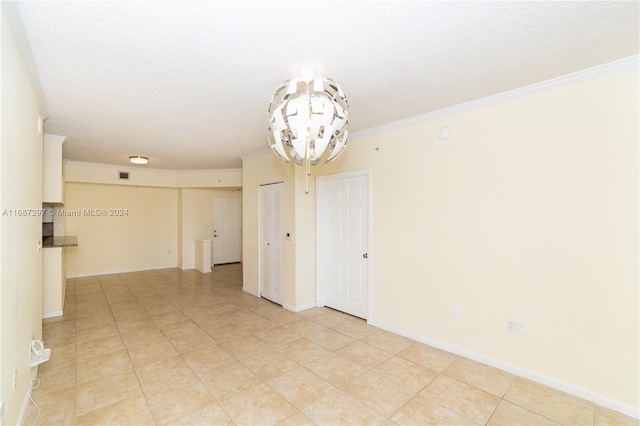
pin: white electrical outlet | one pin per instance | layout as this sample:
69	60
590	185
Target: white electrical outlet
521	328
510	325
455	313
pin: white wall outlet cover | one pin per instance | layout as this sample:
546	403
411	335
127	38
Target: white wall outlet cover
444	133
521	328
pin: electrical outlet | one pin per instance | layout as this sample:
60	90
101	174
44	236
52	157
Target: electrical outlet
455	313
510	325
15	380
521	328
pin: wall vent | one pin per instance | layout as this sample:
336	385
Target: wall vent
124	175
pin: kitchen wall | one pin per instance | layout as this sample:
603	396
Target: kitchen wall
138	232
20	188
528	211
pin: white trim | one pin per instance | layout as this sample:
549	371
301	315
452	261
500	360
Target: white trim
536	377
14	18
123	271
322	226
148	169
251	292
299	308
608	68
52	314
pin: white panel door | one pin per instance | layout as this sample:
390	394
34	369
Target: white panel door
271	239
227	230
343	237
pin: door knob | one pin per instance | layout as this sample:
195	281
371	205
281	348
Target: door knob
366	255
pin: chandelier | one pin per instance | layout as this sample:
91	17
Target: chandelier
308	119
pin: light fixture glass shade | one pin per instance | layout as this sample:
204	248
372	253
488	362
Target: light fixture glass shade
308	119
137	159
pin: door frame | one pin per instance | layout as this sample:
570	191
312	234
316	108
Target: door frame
322	228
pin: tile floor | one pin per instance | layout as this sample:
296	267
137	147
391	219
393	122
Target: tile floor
179	347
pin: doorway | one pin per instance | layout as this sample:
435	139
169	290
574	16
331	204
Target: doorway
227	231
270	225
343	238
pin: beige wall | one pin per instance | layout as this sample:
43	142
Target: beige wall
20	188
146	237
196	219
529	211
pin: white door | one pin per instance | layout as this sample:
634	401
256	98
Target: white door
271	238
343	242
227	230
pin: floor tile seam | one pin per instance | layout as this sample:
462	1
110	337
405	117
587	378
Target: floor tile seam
540	414
501	397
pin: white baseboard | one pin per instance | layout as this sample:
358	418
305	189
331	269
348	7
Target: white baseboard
27	397
52	314
251	292
120	271
539	378
299	308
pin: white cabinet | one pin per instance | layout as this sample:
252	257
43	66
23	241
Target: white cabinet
52	171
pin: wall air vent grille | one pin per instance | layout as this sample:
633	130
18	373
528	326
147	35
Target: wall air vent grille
124	175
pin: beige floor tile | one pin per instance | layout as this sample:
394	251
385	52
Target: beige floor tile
428	356
605	416
300	386
327	319
90	334
93	321
165	308
387	341
304	327
211	414
164	372
356	329
82	311
257	405
409	374
423	411
330	339
205	359
151	352
142	337
131	314
508	414
124	305
54	379
103	365
550	403
379	393
277	336
60	356
303	351
56	408
130	411
336	370
364	355
465	400
269	364
181	328
339	408
98	347
175	400
229	379
132	324
191	342
245	346
282	316
481	376
105	391
88	288
226	332
162	320
296	419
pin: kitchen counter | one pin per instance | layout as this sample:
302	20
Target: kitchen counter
65	241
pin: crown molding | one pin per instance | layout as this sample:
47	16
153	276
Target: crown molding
148	169
10	9
599	70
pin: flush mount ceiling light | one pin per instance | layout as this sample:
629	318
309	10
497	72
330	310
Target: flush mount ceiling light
308	119
137	159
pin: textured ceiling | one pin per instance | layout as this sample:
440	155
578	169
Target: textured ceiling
188	83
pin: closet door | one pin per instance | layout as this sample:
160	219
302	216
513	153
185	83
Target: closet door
271	239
